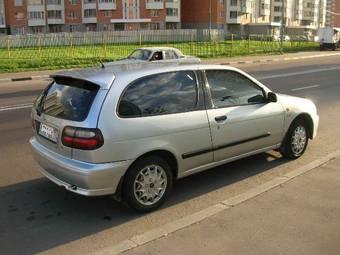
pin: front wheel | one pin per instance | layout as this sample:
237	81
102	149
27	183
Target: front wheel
296	140
147	184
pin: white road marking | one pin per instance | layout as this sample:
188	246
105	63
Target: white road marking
15	107
298	73
307	87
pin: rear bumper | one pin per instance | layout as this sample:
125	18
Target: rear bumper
79	177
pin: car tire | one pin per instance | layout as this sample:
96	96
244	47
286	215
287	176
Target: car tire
147	184
296	140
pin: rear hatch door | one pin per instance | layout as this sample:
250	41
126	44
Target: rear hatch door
65	102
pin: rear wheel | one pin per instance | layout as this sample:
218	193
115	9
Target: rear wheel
147	184
296	140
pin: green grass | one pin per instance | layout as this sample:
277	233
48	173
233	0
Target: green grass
60	57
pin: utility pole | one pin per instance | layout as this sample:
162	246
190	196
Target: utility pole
210	25
283	23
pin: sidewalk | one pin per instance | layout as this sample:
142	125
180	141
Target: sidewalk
32	75
299	217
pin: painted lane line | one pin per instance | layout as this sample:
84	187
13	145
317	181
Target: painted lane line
15	107
307	87
298	73
228	204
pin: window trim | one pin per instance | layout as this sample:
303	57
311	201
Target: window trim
199	95
209	96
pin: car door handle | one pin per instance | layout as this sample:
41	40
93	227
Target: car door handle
220	118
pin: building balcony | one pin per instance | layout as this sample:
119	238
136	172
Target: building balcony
52	7
264	12
246	7
87	20
55	21
36	22
172	4
172	19
154	5
90	5
234	20
235	8
107	6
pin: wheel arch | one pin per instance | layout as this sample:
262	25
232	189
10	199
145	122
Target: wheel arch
168	156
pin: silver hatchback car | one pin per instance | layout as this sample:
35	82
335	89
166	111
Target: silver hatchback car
131	130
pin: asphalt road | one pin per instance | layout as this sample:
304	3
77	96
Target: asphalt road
37	216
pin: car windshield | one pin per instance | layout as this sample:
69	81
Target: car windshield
140	54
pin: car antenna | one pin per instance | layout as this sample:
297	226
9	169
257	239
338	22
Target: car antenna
101	63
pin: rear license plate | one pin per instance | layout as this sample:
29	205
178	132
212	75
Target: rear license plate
48	132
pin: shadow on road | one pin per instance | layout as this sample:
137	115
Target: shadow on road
37	215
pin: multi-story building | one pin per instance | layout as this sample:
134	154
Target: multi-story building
332	13
204	14
40	16
253	16
2	17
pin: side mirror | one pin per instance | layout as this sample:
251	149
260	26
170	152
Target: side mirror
271	97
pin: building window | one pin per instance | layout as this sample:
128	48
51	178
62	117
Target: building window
221	2
154	13
90	13
54	14
233	2
36	15
89	1
106	13
154	26
172	12
277	19
18	2
54	2
73	15
19	16
107	1
277	8
233	15
37	30
35	2
73	2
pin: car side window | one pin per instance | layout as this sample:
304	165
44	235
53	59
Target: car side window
230	88
169	54
165	93
158	55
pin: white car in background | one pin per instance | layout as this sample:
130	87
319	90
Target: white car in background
159	54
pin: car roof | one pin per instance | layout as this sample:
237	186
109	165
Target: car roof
104	77
161	49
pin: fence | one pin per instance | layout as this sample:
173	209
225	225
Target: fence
79	49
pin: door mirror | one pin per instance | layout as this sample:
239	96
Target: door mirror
272	98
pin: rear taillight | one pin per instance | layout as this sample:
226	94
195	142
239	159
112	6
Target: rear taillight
82	138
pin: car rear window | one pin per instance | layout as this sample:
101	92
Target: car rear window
68	99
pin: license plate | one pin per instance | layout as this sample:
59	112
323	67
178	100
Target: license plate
48	132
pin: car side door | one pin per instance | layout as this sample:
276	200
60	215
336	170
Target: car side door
241	118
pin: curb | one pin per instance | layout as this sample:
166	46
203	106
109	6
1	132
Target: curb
171	227
278	59
27	78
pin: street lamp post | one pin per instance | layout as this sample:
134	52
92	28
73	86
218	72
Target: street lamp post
283	23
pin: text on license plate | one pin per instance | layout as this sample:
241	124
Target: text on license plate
48	132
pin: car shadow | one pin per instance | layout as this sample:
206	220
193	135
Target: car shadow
37	215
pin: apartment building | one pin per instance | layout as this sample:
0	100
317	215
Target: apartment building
332	13
2	16
204	14
43	16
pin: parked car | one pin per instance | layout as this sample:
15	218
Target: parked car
159	54
131	130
